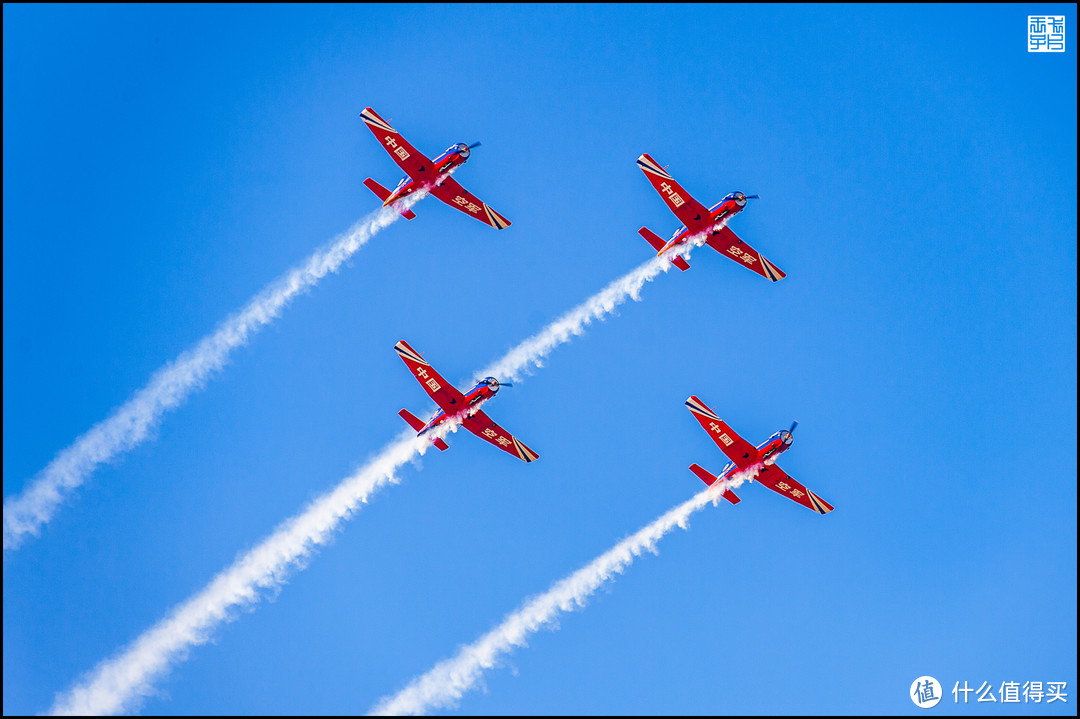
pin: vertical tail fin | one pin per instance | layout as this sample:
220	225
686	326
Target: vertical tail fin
382	193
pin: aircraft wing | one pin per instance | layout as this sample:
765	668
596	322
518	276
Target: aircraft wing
689	211
483	427
727	243
452	193
738	450
445	394
780	482
408	158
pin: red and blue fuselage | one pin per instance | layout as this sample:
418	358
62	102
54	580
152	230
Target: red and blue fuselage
454	157
723	211
770	449
484	390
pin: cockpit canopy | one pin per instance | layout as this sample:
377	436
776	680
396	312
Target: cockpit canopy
460	148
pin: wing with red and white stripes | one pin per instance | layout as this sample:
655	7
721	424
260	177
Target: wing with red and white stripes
483	427
780	482
452	193
408	158
738	450
689	211
445	394
728	244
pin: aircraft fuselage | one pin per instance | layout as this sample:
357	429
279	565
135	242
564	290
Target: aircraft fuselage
454	157
719	213
484	390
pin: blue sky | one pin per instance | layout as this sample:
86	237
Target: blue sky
917	169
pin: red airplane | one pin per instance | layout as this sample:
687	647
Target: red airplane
698	221
744	455
456	404
432	175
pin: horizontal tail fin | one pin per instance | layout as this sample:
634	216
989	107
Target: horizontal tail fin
698	470
412	419
652	238
709	479
659	245
416	424
382	193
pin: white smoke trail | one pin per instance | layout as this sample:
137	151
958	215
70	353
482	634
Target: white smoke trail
533	350
133	421
448	680
115	684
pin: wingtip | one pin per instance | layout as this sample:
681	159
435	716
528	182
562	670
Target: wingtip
695	405
524	452
407	352
772	272
495	219
373	120
820	505
650	166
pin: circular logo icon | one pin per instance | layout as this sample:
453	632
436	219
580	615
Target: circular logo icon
925	692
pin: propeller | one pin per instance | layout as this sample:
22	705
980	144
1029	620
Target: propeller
793	426
475	144
755	197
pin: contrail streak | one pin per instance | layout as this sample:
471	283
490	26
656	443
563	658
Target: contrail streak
533	350
117	683
132	422
448	680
